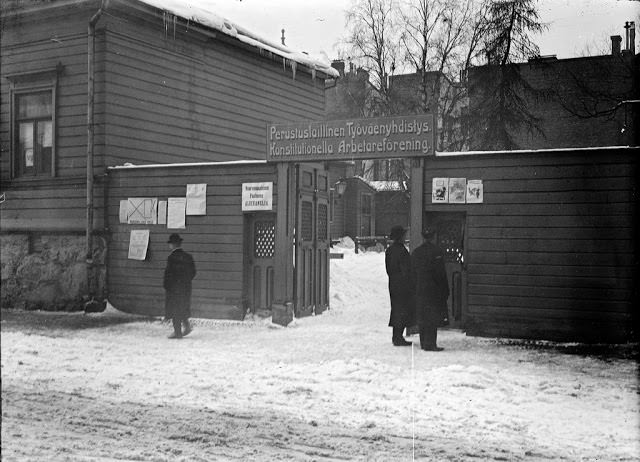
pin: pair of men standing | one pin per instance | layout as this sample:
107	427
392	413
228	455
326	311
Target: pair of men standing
418	288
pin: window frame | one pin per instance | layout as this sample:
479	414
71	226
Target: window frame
25	84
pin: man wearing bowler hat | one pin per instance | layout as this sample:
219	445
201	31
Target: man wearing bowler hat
398	265
178	274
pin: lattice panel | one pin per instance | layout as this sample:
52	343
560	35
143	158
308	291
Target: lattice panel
322	222
265	236
307	221
450	239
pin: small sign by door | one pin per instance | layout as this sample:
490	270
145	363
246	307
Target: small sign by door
257	196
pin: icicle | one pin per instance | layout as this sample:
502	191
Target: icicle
165	23
293	68
313	77
174	27
284	63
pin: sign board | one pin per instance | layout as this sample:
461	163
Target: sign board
138	244
142	211
440	190
457	190
475	192
257	196
374	138
176	209
196	199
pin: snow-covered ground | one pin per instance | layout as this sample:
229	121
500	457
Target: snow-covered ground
332	387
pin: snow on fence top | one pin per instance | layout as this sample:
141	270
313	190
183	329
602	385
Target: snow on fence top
202	12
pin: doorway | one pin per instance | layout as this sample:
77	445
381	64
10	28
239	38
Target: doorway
450	236
260	238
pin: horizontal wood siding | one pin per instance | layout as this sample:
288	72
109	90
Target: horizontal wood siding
552	252
215	240
158	99
193	98
30	44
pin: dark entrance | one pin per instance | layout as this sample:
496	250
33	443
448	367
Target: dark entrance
260	235
450	233
311	289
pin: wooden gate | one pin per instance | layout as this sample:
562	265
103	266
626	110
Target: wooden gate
311	290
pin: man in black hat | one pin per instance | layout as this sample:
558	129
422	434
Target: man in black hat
432	289
178	274
398	265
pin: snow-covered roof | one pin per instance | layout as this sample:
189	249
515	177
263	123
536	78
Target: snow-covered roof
386	185
533	151
209	14
129	165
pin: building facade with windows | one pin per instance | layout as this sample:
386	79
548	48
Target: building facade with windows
90	84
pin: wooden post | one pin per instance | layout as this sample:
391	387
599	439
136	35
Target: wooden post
417	206
283	277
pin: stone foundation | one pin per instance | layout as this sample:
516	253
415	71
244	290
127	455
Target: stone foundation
47	272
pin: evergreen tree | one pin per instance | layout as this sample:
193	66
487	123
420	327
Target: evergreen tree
499	93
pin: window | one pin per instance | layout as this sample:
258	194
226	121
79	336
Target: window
33	133
33	109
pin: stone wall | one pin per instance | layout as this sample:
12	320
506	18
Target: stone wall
47	272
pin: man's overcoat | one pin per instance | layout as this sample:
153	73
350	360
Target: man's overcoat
432	287
178	274
398	265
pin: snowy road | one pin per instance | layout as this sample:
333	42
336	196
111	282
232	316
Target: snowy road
331	387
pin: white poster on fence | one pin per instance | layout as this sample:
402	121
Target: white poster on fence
124	211
138	244
176	207
440	190
197	199
142	211
457	190
257	196
474	192
162	212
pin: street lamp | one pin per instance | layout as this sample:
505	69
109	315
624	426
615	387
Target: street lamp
340	186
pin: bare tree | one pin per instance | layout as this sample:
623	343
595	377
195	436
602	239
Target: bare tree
441	39
372	41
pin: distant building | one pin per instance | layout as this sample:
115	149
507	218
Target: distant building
577	102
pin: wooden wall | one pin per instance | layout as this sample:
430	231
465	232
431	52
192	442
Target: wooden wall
31	44
352	200
159	98
215	240
552	252
190	97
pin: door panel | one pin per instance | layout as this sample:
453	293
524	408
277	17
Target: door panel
450	228
312	240
261	229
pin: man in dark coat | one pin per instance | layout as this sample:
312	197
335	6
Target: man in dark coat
432	289
398	265
178	274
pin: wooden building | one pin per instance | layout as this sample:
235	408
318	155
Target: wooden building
88	84
547	247
392	200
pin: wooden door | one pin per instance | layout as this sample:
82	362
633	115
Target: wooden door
311	290
450	231
259	270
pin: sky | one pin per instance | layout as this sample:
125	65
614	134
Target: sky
576	27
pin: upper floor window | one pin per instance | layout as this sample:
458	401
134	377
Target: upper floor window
33	121
33	137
